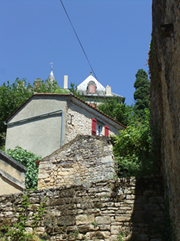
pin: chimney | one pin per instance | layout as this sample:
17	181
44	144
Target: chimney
108	90
65	81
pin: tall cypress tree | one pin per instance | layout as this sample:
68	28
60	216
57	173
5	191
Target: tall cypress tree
142	93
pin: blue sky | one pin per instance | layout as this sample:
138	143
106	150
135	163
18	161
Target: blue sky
114	33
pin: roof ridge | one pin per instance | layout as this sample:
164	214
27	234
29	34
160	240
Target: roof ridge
64	94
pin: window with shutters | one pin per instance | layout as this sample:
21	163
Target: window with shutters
106	130
99	129
94	123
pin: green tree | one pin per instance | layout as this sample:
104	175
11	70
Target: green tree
47	86
142	93
115	108
73	90
27	159
133	150
11	97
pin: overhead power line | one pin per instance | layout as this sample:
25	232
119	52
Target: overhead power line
78	38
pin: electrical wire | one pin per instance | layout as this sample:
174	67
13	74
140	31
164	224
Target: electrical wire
78	38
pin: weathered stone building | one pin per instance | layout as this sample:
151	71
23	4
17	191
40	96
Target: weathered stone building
83	160
165	96
94	92
47	121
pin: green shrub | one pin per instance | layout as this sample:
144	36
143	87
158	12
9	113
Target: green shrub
132	149
27	159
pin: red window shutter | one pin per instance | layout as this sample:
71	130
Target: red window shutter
94	122
106	130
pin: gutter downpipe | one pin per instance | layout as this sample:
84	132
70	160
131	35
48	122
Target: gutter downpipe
29	118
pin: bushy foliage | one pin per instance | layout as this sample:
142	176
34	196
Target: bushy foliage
133	150
47	86
115	108
11	97
141	94
73	90
27	159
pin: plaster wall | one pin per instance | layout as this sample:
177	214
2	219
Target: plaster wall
8	188
14	172
12	175
40	135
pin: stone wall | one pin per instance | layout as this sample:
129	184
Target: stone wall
79	121
99	212
82	160
165	94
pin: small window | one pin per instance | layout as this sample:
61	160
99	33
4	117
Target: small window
99	129
92	89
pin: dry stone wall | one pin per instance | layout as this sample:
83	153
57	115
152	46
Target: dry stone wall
82	160
165	95
99	212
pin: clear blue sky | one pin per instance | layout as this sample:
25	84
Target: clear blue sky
114	33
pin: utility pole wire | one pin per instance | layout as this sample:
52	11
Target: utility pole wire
78	38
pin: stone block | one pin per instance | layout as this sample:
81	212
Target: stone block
115	230
104	227
63	173
84	219
43	175
66	220
40	230
106	234
80	236
113	237
103	219
122	218
84	229
131	197
107	159
29	230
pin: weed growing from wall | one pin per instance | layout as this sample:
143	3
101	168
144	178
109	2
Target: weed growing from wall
18	231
